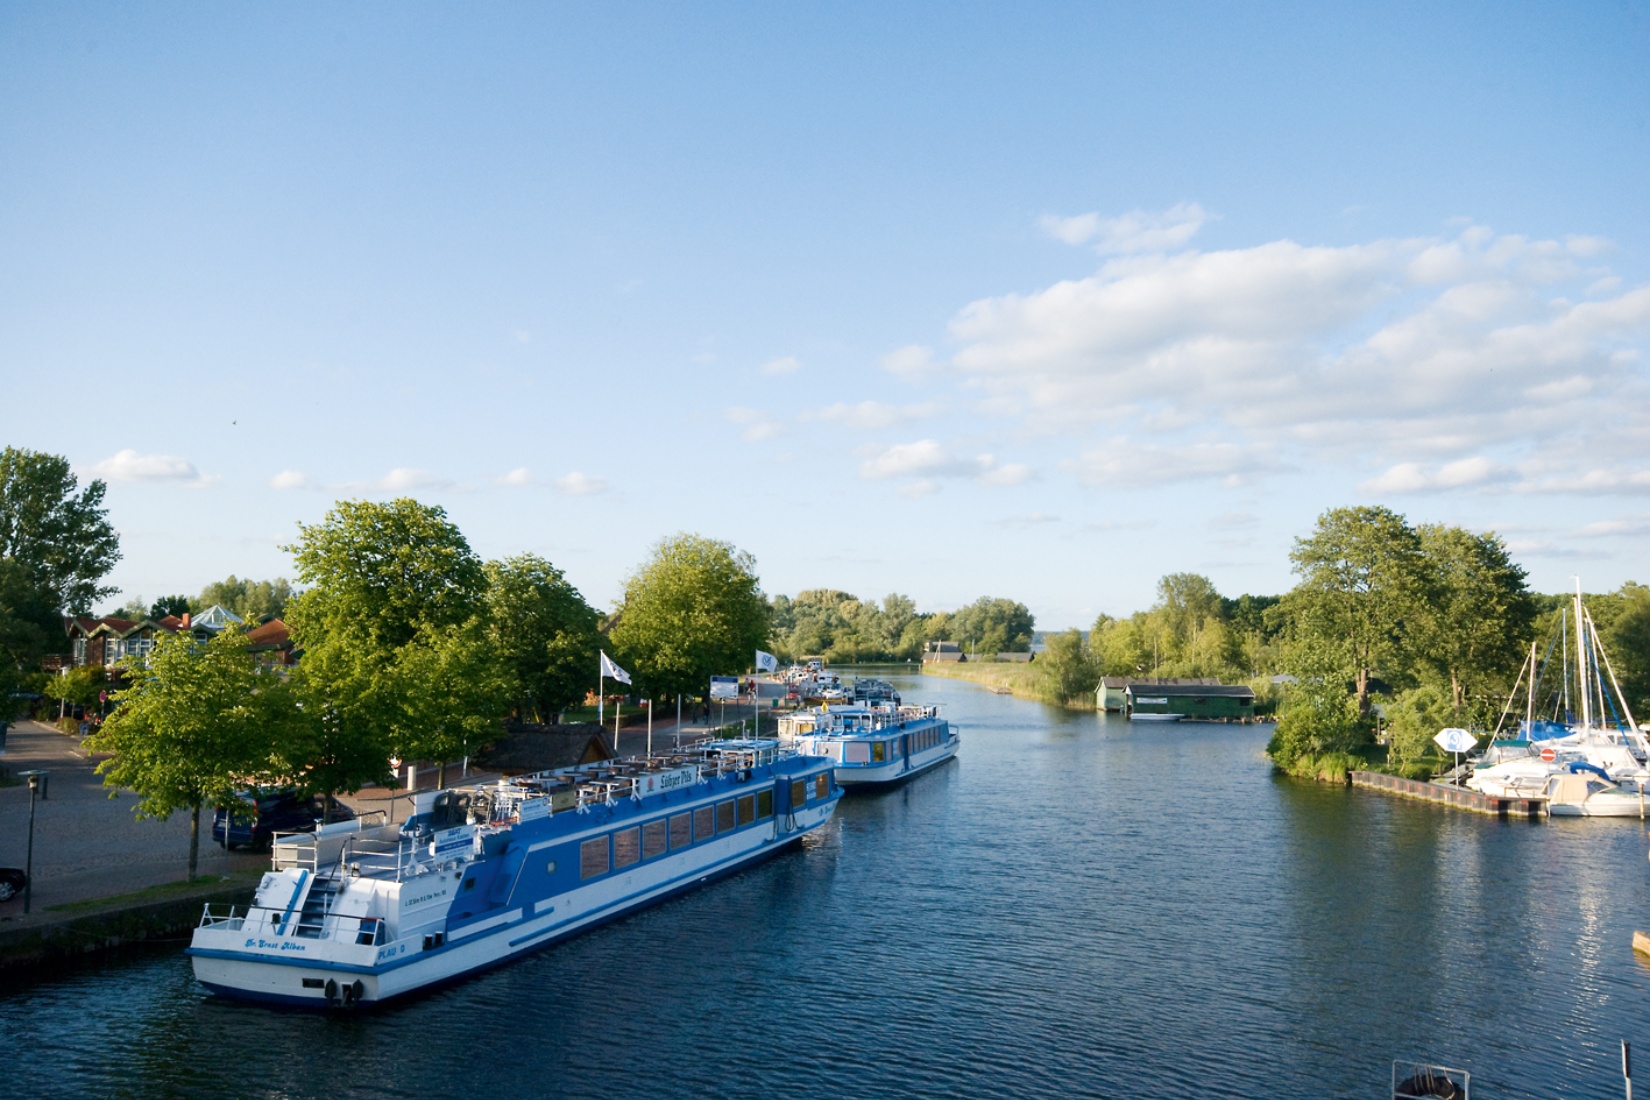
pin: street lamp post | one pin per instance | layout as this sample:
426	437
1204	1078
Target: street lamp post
37	784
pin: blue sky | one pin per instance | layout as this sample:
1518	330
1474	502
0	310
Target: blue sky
948	300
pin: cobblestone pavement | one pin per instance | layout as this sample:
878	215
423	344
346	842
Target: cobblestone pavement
86	844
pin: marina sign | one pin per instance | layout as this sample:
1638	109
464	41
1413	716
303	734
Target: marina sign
724	687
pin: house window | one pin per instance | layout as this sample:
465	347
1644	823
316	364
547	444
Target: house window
80	651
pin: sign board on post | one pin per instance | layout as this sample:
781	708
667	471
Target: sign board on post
724	687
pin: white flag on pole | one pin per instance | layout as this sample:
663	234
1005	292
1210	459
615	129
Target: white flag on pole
766	662
613	671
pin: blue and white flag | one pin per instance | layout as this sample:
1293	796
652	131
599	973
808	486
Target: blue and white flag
766	662
613	671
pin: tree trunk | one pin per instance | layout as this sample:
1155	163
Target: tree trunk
1456	691
195	839
1363	691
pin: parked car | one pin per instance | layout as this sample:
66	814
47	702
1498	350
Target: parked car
12	881
262	814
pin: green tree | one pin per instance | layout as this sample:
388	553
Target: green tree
694	609
1414	719
1319	715
543	633
168	605
1362	595
1480	620
1185	602
1627	640
78	687
1067	668
29	626
56	531
992	625
395	595
194	725
251	600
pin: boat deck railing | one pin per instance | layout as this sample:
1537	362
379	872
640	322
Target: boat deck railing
261	920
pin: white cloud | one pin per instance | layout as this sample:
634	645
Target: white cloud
912	361
519	478
581	485
1136	231
927	459
1444	362
130	466
406	479
916	490
291	479
1626	526
869	415
758	424
790	364
1412	477
1122	463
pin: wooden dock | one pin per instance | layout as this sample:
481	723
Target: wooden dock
1445	795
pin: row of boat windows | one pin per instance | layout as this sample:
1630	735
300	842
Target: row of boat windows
880	752
625	847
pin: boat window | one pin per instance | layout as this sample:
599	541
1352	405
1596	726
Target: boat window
764	805
822	785
799	792
747	809
653	839
856	752
593	857
627	847
724	816
704	823
879	751
681	831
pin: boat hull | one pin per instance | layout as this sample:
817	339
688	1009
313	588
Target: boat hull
863	777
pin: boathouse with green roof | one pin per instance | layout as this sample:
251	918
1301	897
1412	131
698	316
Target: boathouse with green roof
1210	702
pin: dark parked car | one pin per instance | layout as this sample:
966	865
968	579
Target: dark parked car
12	881
262	814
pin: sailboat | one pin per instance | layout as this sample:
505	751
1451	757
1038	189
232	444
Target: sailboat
1550	736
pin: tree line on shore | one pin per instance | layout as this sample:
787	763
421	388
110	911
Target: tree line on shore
413	647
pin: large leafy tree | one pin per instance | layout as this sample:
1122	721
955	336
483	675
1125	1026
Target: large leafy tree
194	724
694	609
1362	596
29	625
992	625
251	600
1068	668
391	625
58	532
542	632
1480	616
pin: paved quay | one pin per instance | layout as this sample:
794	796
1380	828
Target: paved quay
86	844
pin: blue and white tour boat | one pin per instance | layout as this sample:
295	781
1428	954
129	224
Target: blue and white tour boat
875	743
352	915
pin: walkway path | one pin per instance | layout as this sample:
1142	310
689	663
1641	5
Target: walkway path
86	844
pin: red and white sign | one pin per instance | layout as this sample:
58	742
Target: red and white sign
1549	754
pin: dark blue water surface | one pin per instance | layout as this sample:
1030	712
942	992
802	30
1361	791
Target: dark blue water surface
1074	907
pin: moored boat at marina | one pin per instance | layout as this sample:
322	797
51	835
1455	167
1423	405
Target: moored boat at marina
477	877
876	744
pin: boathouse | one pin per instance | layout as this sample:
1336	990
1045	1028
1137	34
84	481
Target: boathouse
1206	701
1112	691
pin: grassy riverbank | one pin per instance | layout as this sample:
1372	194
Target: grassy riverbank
1023	680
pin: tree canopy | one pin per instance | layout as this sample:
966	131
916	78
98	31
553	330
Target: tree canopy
392	626
57	532
195	724
251	600
694	609
542	632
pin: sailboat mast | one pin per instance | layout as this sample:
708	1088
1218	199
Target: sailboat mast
1581	665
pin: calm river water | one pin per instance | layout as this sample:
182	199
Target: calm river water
1074	907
